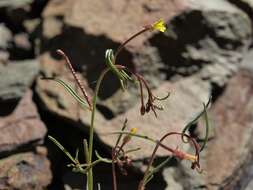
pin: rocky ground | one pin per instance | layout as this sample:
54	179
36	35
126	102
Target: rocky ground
207	50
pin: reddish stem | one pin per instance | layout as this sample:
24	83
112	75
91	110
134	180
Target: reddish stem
60	52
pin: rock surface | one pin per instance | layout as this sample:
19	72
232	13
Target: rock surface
16	78
92	36
245	5
14	3
225	162
6	37
218	34
213	49
22	126
55	98
25	171
187	93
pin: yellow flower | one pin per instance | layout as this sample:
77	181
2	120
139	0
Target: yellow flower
133	130
127	138
159	25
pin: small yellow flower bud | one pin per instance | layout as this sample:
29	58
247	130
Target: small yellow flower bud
159	25
127	138
133	130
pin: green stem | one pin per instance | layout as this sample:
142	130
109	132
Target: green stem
135	135
90	173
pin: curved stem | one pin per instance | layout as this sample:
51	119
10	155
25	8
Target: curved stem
128	40
159	143
91	134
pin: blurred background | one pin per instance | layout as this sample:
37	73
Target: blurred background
206	50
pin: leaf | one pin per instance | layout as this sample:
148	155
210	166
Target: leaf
86	150
102	159
71	91
207	128
77	154
62	148
156	169
121	74
195	119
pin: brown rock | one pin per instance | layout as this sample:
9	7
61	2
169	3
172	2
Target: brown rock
228	155
217	35
110	16
52	27
22	126
28	171
21	41
94	26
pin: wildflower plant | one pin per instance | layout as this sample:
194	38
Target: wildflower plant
119	155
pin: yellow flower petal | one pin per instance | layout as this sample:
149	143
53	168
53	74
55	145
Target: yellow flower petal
190	157
133	130
127	138
159	25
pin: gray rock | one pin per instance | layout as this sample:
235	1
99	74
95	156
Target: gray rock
14	3
245	5
28	170
249	186
247	62
22	42
172	183
16	78
52	27
4	57
5	37
31	25
218	34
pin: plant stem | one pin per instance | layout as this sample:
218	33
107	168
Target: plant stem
90	173
128	40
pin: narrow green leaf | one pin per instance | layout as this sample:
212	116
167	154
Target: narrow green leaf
195	119
132	150
156	169
161	165
148	179
207	128
86	149
106	160
109	58
71	91
77	154
62	148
